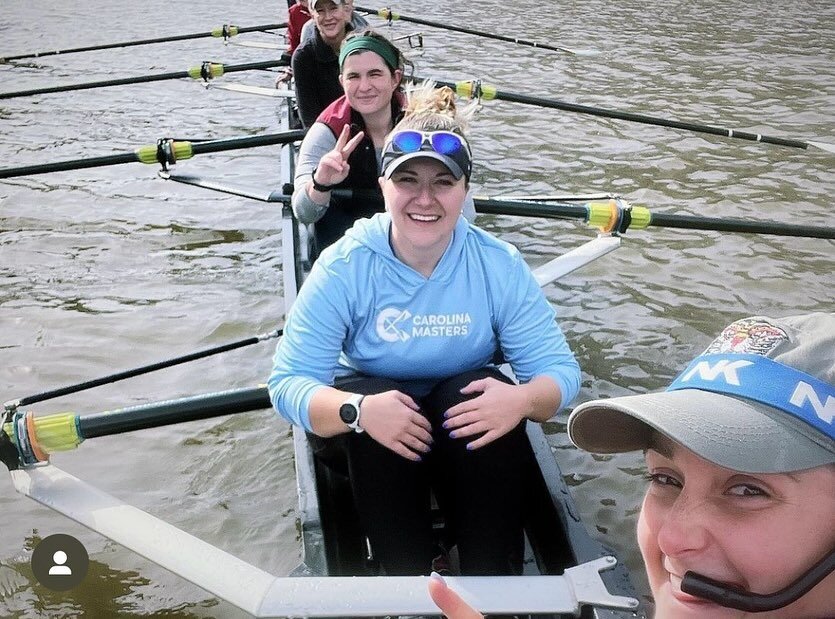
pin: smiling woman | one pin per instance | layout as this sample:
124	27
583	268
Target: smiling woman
395	382
740	453
341	149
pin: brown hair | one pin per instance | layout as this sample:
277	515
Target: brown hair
402	62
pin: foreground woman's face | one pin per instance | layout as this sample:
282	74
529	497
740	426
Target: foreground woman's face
425	201
755	531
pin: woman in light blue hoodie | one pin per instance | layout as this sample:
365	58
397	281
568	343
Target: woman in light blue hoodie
388	352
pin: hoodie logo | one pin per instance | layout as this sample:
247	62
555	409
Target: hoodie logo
396	325
389	324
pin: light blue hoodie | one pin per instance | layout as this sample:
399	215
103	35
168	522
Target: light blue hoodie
363	310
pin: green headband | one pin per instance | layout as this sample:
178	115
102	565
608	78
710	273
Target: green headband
381	48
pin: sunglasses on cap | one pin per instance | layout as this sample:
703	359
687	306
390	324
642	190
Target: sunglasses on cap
447	147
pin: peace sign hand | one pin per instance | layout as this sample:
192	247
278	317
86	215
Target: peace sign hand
333	167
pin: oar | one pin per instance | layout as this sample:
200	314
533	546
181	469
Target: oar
619	216
164	152
556	197
224	31
391	16
35	437
145	369
610	215
206	71
477	89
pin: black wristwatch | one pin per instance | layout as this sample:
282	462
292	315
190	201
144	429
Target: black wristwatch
319	186
350	412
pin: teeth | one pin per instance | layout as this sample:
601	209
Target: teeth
424	217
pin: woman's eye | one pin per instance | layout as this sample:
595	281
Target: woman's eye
662	479
747	490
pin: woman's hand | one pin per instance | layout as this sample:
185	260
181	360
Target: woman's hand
393	419
450	602
495	412
333	167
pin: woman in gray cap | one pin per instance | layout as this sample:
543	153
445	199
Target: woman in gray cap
739	516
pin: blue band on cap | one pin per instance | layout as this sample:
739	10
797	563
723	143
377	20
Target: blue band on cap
763	380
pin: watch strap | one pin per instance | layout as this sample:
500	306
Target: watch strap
319	186
356	401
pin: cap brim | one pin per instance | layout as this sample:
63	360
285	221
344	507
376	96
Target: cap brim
732	432
453	167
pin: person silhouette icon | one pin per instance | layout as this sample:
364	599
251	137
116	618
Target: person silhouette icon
60	562
59	569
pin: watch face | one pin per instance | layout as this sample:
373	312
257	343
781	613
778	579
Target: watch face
348	413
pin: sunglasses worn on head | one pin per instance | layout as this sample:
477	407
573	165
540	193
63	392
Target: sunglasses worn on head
451	145
443	142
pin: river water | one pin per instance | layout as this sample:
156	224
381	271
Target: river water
110	268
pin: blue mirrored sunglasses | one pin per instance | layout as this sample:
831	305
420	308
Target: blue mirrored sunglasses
442	142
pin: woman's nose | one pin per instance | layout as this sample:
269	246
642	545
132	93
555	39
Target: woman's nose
685	527
425	195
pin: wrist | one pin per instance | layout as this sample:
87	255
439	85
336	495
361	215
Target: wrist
319	186
350	412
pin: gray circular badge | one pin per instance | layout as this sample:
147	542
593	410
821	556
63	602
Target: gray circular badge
60	562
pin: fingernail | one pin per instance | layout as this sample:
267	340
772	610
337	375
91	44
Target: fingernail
446	414
437	576
445	425
469	446
452	434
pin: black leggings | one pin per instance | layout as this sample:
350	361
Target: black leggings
480	492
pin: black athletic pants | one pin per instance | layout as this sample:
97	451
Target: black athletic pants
481	492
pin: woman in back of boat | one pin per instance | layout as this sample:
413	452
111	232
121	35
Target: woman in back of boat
342	149
314	62
387	359
740	455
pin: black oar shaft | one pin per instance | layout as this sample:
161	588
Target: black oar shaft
168	39
479	33
145	369
140	79
216	146
173	411
639	118
73	164
666	220
212	146
525	209
649	120
692	222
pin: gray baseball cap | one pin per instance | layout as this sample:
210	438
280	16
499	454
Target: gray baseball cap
760	399
314	3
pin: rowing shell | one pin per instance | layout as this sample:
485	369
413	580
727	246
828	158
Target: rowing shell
313	592
556	540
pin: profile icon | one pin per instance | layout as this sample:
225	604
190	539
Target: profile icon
60	562
60	569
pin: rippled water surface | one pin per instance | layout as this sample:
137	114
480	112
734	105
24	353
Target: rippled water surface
110	268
